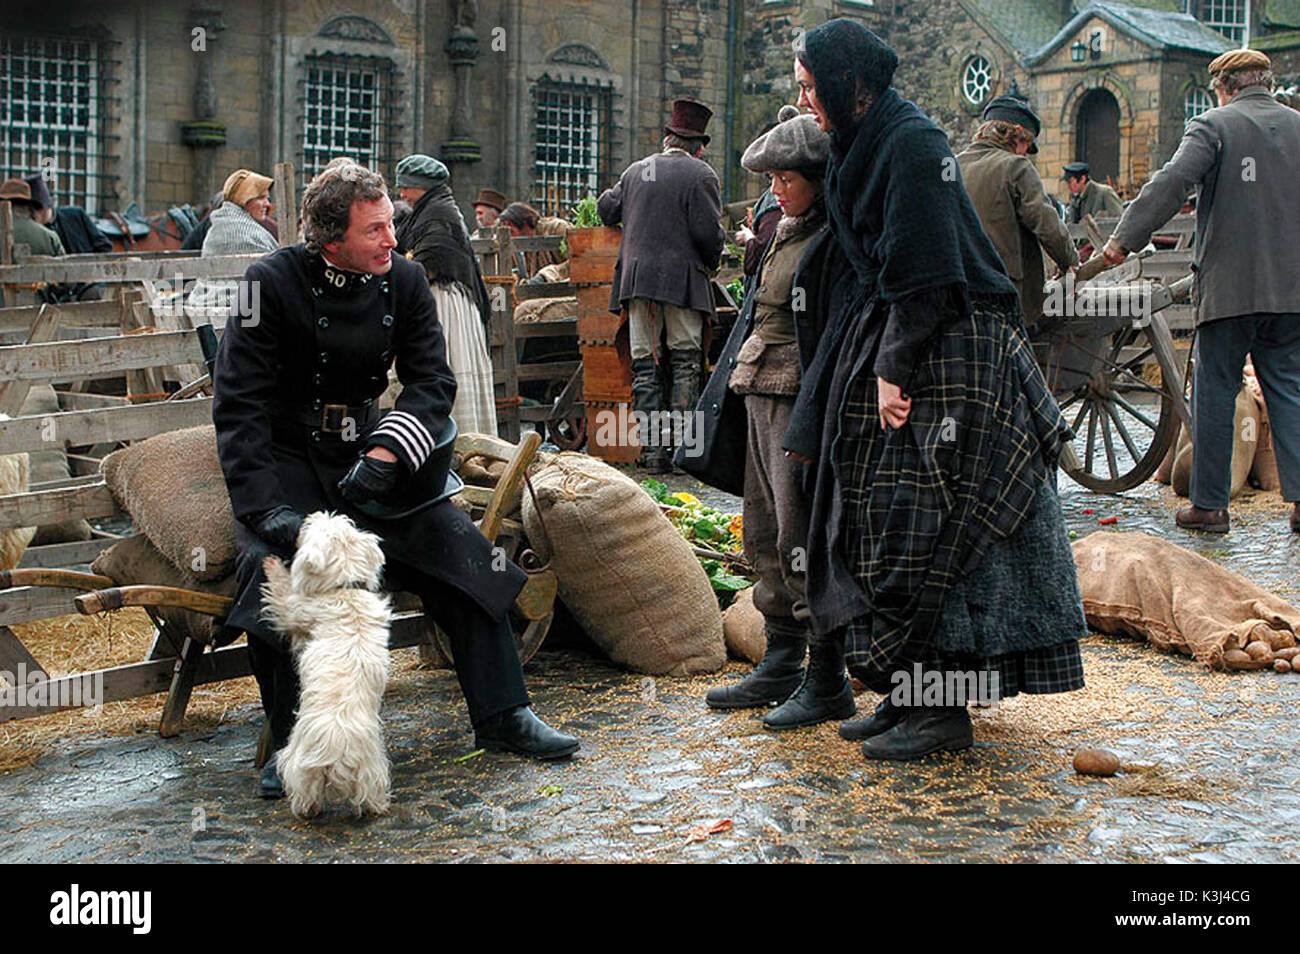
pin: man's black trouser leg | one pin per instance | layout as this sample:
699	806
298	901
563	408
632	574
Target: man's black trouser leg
278	681
487	662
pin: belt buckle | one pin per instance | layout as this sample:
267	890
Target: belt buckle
332	418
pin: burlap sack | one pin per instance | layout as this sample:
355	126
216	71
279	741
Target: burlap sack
14	479
51	465
1134	584
626	574
136	561
546	309
173	488
743	628
1245	442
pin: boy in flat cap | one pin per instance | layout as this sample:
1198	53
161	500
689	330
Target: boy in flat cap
1009	198
1241	160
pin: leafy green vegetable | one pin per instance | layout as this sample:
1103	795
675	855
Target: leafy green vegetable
584	214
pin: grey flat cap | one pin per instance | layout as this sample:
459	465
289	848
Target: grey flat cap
794	144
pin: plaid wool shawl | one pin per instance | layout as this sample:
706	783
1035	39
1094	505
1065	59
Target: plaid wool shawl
910	511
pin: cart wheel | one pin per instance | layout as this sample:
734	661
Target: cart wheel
567	433
1123	424
529	635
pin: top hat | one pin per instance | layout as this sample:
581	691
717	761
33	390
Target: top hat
40	191
689	120
492	199
1013	109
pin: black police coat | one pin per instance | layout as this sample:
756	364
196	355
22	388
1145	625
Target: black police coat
311	336
721	412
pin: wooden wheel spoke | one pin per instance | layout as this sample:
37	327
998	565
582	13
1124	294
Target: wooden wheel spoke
1110	446
1123	433
1133	411
1092	433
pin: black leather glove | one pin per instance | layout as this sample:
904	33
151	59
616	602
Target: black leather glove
368	479
279	527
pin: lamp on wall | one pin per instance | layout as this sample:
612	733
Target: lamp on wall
1078	51
1094	45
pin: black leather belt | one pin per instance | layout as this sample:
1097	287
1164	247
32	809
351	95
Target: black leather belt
334	418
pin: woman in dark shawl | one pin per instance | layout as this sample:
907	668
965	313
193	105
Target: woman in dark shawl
937	546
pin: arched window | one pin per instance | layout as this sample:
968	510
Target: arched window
977	79
1196	102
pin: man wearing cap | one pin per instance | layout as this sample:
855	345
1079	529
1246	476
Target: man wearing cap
77	233
1008	195
489	204
27	231
1241	159
670	207
1088	197
298	430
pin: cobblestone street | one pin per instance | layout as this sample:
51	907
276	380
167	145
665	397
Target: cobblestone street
1212	777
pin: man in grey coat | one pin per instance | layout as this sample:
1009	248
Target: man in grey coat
670	207
1241	158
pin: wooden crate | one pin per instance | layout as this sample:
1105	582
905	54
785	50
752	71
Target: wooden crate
609	432
599	325
592	255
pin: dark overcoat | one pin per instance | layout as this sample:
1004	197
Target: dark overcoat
670	208
318	336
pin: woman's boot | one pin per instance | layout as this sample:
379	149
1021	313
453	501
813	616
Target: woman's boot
921	731
823	695
886	716
778	674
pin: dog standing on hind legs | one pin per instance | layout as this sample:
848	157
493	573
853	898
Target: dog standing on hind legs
328	603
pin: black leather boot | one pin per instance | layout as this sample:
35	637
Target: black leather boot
686	365
647	397
922	731
823	695
519	730
886	716
778	674
269	779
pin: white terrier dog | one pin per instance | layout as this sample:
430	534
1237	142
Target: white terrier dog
338	624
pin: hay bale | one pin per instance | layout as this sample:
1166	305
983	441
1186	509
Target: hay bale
743	628
47	465
174	490
626	574
137	561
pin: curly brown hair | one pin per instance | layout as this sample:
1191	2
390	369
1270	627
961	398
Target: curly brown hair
328	200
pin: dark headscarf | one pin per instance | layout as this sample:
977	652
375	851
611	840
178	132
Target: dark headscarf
849	63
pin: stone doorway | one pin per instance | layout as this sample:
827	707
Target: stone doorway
1097	134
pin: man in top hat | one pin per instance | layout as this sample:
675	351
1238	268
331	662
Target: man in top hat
298	428
27	231
1088	197
1241	159
489	204
670	207
1008	195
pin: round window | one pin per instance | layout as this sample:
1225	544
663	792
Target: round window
977	80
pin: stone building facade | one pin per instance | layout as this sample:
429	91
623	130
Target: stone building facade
548	100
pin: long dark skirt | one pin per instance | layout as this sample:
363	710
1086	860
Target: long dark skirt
956	502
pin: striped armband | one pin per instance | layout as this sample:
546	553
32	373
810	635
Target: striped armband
406	430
